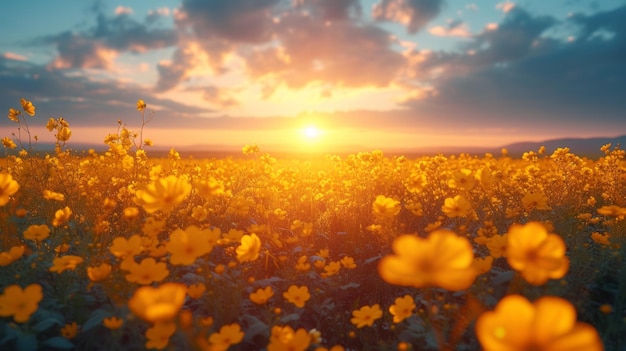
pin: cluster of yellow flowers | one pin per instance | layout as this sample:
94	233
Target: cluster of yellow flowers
121	250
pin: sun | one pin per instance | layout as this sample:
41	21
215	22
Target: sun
311	132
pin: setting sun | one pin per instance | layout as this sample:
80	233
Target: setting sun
311	132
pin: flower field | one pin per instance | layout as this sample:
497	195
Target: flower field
118	250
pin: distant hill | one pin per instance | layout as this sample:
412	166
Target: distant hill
588	147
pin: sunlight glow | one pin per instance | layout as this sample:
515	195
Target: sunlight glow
311	132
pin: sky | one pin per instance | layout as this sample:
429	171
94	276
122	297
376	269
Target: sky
386	74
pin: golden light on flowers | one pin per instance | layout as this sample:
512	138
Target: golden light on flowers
141	105
158	304
27	106
286	339
261	296
61	216
535	253
99	273
443	260
385	207
249	248
126	248
228	335
145	272
297	295
112	323
14	253
366	316
68	262
158	336
185	246
163	194
402	308
457	206
548	324
8	187
20	303
37	232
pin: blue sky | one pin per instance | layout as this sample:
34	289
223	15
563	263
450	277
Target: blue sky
376	73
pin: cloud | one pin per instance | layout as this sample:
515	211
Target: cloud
331	10
415	14
505	6
123	10
454	29
14	56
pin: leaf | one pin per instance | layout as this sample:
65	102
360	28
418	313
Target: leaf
46	324
292	317
255	327
95	319
372	259
59	342
350	286
10	333
27	342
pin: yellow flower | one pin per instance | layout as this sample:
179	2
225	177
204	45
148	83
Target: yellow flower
8	143
27	106
141	105
126	248
262	295
20	303
99	273
366	316
402	308
442	260
611	211
61	264
600	239
61	216
497	245
159	335
286	339
185	246
159	304
332	268
538	255
348	262
14	254
8	187
64	134
163	194
13	114
297	295
112	323
228	335
535	201
196	290
548	324
69	331
385	207
482	265
37	232
51	195
457	206
462	179
146	272
249	248
303	265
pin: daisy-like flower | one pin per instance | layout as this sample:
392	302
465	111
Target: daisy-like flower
14	254
402	308
163	194
37	232
20	303
249	248
99	273
443	260
185	246
61	264
260	296
285	338
228	335
159	304
8	187
28	106
158	336
548	324
385	207
297	295
366	316
457	206
146	272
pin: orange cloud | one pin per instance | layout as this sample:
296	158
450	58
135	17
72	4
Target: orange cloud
14	56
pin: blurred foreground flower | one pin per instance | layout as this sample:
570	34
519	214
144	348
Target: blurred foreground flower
163	194
538	255
159	335
442	260
159	304
20	303
548	324
8	187
14	254
285	338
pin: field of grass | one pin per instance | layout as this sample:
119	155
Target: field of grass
118	250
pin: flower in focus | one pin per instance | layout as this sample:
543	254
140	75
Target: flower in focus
303	264
99	273
366	316
141	105
159	304
159	335
126	248
64	263
36	232
8	187
348	262
443	260
27	106
8	143
457	206
61	216
286	339
13	114
402	308
228	335
185	246
146	272
14	254
462	179
297	295
262	295
163	194
69	331
112	323
249	248
548	324
539	256
385	207
535	201
20	303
